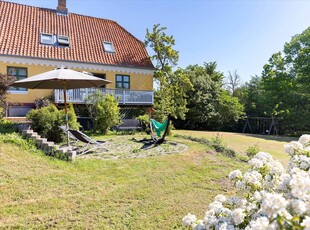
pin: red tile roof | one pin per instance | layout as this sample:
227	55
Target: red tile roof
21	25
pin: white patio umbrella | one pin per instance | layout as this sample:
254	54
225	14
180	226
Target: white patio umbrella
61	78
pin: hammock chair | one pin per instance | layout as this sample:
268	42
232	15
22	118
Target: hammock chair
158	128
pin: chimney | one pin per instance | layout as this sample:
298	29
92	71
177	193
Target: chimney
62	6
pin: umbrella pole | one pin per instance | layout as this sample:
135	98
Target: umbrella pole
66	111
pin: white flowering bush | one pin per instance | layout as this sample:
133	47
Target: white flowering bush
271	197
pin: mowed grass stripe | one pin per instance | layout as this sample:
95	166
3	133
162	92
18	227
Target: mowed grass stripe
241	141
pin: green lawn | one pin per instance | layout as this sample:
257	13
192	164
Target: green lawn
241	141
142	193
145	193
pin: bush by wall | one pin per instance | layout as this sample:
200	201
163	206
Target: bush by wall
46	121
104	111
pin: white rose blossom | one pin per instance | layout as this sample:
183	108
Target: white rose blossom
238	216
235	175
304	140
268	193
306	223
293	148
189	219
260	223
220	198
299	206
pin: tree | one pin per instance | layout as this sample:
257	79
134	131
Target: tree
210	106
230	110
285	83
170	97
5	82
103	110
233	82
252	96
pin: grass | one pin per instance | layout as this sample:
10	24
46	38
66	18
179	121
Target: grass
240	142
40	192
144	193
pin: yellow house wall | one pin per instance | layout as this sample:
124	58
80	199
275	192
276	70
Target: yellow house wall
137	81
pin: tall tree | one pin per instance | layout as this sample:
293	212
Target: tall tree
233	81
286	80
210	105
170	97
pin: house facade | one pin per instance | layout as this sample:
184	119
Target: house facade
34	40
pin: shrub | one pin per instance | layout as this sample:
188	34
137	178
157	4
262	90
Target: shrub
270	197
145	122
46	121
7	126
16	139
251	151
5	82
217	143
103	110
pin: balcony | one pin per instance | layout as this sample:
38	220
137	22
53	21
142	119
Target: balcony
124	97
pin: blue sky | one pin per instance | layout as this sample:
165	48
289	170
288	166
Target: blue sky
238	35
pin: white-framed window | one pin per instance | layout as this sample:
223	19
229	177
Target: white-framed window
47	39
108	47
20	74
63	40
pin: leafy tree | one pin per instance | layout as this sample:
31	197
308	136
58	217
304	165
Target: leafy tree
5	82
252	96
207	83
283	89
170	97
103	110
210	106
230	110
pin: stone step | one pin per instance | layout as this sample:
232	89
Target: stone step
40	142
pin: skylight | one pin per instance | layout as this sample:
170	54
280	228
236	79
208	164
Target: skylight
63	40
108	47
47	39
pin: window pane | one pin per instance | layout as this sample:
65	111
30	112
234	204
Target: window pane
20	78
47	39
108	47
22	72
126	79
12	71
119	85
126	85
119	78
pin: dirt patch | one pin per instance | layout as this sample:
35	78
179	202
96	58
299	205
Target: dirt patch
121	147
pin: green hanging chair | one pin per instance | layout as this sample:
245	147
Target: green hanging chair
158	128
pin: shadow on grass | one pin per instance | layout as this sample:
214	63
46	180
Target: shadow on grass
147	143
271	137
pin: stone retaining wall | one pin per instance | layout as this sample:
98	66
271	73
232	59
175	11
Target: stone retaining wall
49	147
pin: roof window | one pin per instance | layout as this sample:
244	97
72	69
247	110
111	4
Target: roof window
47	39
108	47
63	41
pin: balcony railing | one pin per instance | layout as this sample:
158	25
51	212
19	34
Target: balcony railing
124	97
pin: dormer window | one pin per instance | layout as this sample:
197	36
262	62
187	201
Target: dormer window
47	39
108	47
63	41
